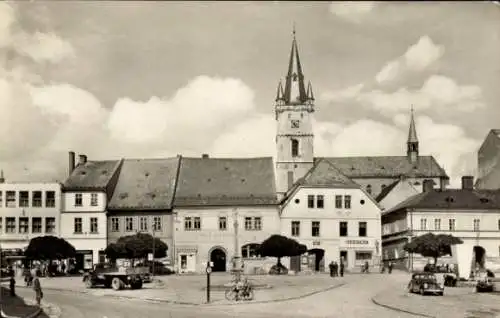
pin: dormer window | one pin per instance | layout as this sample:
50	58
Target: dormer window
295	148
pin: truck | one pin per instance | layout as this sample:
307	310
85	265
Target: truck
109	275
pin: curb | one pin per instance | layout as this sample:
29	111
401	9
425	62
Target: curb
398	309
35	314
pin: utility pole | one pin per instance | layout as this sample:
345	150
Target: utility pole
236	257
154	259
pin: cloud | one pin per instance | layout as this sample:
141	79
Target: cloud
43	47
417	58
353	11
7	18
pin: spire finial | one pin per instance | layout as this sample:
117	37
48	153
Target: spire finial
293	32
411	108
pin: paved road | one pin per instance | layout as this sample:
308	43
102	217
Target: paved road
352	300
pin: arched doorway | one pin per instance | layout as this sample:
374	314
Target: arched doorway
478	257
218	257
319	259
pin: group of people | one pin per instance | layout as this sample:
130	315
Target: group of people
32	279
389	266
336	269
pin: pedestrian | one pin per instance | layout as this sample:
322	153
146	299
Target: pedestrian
37	287
12	285
330	266
335	269
389	268
341	269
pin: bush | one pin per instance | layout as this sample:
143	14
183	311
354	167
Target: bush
278	269
159	268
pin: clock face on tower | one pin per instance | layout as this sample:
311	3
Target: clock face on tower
295	123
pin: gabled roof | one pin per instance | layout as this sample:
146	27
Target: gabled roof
91	176
221	181
147	184
452	199
385	191
387	167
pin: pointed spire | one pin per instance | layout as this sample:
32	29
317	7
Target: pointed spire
295	91
2	179
310	94
279	92
412	133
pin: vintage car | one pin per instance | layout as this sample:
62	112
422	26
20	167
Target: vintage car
425	283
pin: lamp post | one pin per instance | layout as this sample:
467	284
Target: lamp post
236	257
154	238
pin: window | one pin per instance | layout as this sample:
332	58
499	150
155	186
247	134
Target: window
451	224
320	201
222	223
315	228
250	250
24	199
10	225
257	223
295	148
290	179
10	199
347	201
143	223
37	199
437	224
1	225
94	227
50	225
36	225
188	224
476	225
50	199
157	223
129	224
499	225
192	224
362	228
248	223
338	202
93	199
295	228
310	201
78	199
1	199
197	223
77	222
363	256
24	225
423	224
369	189
343	228
115	224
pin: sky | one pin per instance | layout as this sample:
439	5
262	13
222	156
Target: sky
157	79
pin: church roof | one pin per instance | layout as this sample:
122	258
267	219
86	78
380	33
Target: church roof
452	199
386	167
92	175
145	184
295	90
221	181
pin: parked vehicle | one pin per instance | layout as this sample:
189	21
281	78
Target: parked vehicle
485	284
109	275
425	283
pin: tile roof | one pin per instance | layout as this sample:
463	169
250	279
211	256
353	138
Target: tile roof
145	184
452	199
323	173
387	166
385	191
221	181
93	175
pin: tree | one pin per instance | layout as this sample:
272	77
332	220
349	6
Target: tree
430	245
48	248
136	246
281	246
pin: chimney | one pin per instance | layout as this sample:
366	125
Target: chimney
467	182
442	183
71	163
2	179
82	159
428	185
204	156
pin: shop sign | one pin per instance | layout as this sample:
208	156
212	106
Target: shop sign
357	242
316	243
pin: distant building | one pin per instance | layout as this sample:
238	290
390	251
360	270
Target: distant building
28	210
334	217
472	215
397	192
142	201
213	193
488	157
294	111
85	197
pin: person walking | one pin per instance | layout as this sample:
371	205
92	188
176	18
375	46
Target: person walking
389	268
37	287
341	269
12	285
330	266
335	269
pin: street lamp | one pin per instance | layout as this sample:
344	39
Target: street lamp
236	257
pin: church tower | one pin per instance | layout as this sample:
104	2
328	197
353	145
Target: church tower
294	110
412	143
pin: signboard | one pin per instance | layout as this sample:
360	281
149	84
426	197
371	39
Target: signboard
150	256
211	264
316	243
357	242
209	270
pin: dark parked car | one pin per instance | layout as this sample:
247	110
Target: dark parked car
425	283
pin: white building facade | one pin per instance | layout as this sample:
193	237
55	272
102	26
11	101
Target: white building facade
334	218
28	210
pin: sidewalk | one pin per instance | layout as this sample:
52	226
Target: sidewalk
191	290
17	306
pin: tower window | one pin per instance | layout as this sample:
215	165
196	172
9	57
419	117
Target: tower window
295	148
369	189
